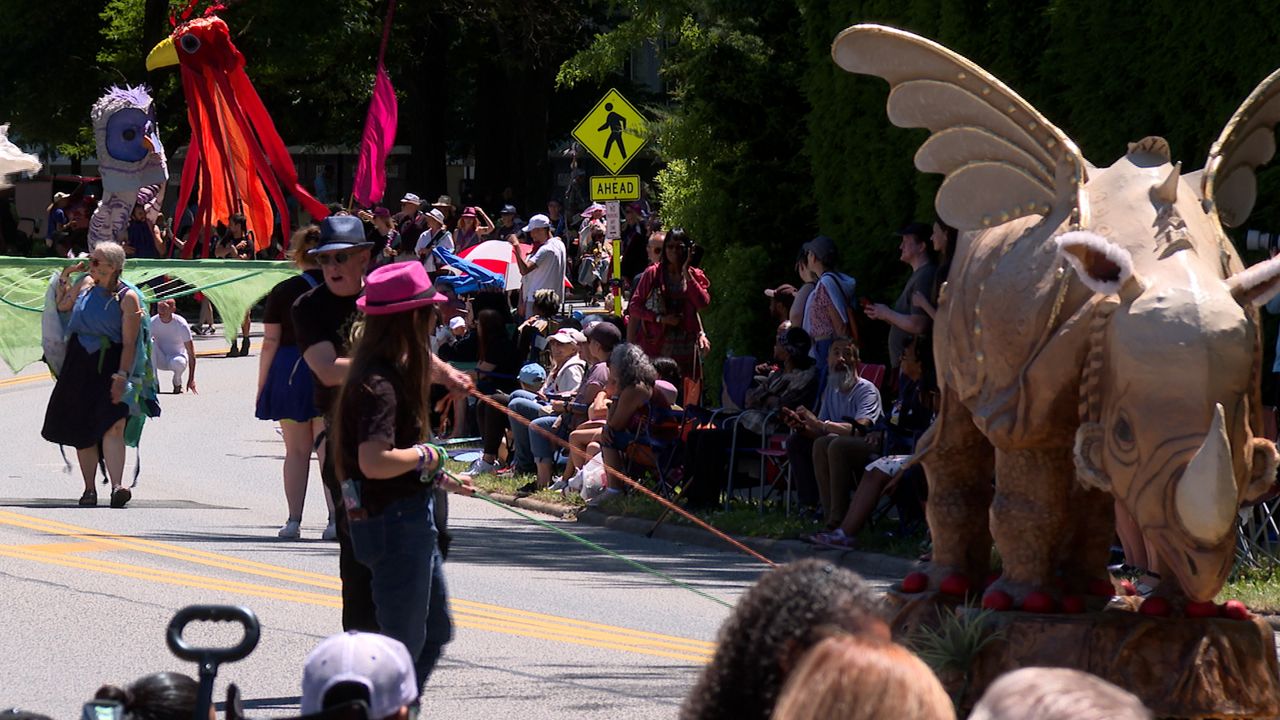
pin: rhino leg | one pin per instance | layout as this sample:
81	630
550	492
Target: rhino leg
1029	516
959	464
1087	545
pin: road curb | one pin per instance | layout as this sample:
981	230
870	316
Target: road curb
778	550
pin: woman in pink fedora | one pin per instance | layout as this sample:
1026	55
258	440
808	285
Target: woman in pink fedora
388	472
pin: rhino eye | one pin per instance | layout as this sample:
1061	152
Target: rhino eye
1123	432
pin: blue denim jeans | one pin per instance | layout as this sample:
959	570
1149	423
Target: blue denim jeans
527	405
542	448
399	548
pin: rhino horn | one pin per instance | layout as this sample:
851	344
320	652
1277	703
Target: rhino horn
1206	498
1166	193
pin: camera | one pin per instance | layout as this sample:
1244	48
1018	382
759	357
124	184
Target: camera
1257	240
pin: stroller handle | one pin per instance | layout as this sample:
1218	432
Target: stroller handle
212	657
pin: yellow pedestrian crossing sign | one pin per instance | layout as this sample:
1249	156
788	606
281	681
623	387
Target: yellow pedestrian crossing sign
613	132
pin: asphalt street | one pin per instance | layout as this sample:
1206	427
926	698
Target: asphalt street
546	627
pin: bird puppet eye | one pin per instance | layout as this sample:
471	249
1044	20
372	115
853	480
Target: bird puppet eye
189	43
129	134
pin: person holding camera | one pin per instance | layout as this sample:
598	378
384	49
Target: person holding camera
666	302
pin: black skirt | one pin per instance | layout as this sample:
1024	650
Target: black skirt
80	409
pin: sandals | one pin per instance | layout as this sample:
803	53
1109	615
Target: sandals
89	499
120	497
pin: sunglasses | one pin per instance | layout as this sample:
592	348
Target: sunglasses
338	258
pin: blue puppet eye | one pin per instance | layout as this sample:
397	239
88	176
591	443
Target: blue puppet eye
190	43
124	135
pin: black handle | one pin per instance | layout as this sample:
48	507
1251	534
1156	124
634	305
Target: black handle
208	659
213	613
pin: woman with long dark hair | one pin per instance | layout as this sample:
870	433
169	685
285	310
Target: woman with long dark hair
943	242
387	472
666	302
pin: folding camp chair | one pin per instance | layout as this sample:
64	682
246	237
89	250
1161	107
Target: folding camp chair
874	373
657	445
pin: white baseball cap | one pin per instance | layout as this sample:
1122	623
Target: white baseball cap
457	322
568	335
379	663
537	222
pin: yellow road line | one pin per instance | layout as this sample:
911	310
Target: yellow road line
26	379
66	548
527	621
462	617
277	572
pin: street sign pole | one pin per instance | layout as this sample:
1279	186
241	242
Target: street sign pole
612	231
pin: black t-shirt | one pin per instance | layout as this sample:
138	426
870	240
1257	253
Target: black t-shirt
502	353
280	302
375	409
320	316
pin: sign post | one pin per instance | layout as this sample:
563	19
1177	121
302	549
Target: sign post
613	132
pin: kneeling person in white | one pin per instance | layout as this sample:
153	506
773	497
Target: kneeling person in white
171	346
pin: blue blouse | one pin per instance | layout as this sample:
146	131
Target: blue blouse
97	315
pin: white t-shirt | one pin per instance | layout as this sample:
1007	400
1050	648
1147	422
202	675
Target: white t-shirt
446	242
567	379
170	338
549	271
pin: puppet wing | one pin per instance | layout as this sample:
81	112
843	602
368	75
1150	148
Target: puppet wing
1002	159
1247	142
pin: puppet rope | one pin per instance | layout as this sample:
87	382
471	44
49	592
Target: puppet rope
581	457
605	550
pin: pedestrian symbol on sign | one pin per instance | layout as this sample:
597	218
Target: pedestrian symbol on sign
613	132
615	124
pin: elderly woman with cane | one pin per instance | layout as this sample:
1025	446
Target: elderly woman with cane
387	471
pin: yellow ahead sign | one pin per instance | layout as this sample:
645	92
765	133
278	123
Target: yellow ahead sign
613	132
615	187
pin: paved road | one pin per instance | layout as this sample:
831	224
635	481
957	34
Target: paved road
546	628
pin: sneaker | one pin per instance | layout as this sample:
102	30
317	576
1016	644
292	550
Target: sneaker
527	489
292	530
835	539
330	531
177	388
604	497
559	485
480	467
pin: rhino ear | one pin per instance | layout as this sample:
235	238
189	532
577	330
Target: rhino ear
1101	264
1257	284
1088	457
1263	476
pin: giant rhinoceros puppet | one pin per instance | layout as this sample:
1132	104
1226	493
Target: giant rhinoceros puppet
1097	337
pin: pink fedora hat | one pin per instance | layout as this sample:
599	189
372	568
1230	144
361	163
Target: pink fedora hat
396	288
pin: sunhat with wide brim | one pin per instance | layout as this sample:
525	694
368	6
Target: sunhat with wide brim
398	287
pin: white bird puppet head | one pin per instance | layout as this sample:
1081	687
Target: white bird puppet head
13	160
130	156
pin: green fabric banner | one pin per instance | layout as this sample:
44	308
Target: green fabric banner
233	286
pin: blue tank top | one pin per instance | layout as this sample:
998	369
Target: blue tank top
97	316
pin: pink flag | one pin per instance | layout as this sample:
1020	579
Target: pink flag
379	136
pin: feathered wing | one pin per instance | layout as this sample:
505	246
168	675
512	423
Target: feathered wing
1002	159
1245	144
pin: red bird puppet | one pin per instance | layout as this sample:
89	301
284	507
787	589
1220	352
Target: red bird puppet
236	156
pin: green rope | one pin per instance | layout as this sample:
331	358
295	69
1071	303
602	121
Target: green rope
606	551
